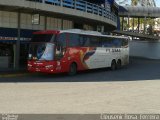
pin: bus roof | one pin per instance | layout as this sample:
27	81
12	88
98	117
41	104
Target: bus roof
78	31
92	33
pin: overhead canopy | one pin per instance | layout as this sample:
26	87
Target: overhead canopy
122	9
150	12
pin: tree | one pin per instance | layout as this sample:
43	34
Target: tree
134	2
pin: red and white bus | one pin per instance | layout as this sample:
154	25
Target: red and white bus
76	50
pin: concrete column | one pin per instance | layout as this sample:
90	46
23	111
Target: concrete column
128	22
122	23
145	20
133	24
138	24
45	22
17	49
14	58
61	24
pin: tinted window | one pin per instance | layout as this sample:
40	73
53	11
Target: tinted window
84	40
124	42
42	38
94	41
89	41
106	42
61	39
113	42
60	45
81	40
74	40
117	42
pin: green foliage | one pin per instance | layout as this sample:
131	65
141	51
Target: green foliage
134	2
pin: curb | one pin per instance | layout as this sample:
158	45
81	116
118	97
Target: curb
14	75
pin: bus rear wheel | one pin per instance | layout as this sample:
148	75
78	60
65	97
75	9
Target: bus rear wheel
119	64
72	69
113	65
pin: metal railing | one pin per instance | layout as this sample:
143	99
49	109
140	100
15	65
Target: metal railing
82	6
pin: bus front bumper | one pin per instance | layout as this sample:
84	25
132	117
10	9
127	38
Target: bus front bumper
47	68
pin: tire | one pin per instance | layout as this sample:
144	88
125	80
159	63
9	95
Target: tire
119	64
113	65
72	69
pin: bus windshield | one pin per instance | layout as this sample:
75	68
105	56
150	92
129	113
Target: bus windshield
41	51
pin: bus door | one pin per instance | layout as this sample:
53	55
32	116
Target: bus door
60	51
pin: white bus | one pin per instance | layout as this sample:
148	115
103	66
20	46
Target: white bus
76	50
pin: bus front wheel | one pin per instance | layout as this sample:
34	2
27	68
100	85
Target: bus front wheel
113	65
72	69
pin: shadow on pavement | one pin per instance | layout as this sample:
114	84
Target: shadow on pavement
138	69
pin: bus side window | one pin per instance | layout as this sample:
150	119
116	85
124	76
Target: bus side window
86	41
124	42
74	40
102	42
61	40
117	42
60	45
81	41
106	42
94	41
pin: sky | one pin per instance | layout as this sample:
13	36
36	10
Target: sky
157	3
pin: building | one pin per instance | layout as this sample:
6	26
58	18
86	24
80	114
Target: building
19	19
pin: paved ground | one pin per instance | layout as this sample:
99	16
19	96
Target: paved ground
133	89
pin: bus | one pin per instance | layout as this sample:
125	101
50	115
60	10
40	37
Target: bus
70	51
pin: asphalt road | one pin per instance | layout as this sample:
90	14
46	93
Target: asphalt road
132	89
138	69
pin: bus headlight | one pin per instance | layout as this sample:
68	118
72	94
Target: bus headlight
49	66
